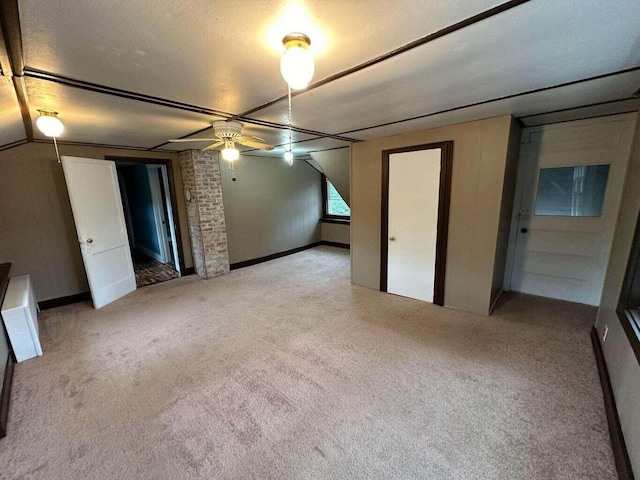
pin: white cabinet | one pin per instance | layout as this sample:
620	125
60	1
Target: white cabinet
20	316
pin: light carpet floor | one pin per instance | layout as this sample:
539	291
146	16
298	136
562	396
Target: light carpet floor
284	370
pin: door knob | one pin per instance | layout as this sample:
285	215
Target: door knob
392	238
89	241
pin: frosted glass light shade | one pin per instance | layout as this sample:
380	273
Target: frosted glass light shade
288	157
297	65
230	154
49	125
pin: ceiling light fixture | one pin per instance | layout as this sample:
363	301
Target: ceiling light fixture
51	126
49	123
230	153
297	65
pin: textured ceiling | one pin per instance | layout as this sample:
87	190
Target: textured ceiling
223	57
217	54
568	97
476	64
89	116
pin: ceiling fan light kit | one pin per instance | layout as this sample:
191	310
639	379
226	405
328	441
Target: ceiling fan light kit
230	153
227	134
297	68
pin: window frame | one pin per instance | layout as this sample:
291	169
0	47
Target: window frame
326	216
628	309
604	192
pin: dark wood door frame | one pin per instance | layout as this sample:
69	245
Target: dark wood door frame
5	392
172	194
444	202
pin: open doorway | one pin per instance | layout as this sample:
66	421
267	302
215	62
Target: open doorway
568	194
149	215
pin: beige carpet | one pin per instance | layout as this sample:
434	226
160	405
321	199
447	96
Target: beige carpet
284	370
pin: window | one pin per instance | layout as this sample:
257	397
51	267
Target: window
629	303
572	191
334	204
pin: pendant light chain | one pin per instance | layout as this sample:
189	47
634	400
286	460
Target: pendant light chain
290	122
296	67
55	144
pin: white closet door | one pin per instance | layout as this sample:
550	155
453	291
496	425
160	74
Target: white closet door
414	191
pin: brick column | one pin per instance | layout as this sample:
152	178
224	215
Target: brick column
207	228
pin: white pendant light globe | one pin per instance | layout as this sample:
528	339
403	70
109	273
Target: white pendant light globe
288	157
230	154
297	65
49	123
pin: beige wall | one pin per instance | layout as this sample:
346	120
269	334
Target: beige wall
622	363
479	158
336	232
335	165
37	231
271	207
504	224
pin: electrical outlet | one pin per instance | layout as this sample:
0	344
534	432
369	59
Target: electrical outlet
604	335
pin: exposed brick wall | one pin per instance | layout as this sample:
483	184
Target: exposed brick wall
201	178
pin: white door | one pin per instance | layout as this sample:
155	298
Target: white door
414	190
100	225
153	174
172	227
568	192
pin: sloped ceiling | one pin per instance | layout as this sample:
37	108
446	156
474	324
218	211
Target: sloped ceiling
138	73
335	165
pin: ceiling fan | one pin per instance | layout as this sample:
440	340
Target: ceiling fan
227	134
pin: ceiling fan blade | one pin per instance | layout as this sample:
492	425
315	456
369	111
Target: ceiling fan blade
182	140
213	146
253	142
